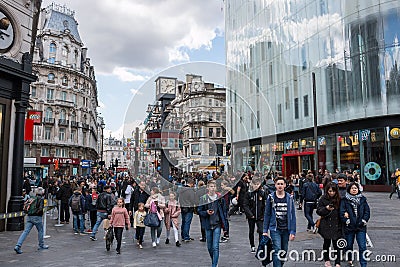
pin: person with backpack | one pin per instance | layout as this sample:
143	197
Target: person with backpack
77	204
104	204
34	210
310	194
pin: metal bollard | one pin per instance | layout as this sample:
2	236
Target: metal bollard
59	215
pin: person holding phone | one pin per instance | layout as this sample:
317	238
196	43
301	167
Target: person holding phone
211	209
330	227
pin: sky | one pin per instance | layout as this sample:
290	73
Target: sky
131	42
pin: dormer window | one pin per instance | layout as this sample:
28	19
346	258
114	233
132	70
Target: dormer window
50	78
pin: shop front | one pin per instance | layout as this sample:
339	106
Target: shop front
60	167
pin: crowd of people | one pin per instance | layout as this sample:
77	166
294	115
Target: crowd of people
268	202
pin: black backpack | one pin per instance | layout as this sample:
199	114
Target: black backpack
76	203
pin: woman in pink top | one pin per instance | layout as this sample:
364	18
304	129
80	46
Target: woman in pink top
119	220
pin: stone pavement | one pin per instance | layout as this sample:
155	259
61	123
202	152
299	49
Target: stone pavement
67	249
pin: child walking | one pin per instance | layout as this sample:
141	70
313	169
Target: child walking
172	211
119	220
138	224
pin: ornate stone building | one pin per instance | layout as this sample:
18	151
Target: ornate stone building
67	130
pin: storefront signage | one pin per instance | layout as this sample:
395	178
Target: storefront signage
51	160
372	171
395	133
85	164
36	116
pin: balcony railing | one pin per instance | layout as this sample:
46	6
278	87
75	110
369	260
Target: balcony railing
62	122
85	126
48	120
74	124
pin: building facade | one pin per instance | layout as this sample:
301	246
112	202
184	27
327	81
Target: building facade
18	21
351	47
67	131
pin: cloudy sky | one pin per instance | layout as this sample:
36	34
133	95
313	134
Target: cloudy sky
131	41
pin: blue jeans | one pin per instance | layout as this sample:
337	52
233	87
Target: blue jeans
30	222
155	232
362	245
100	217
280	242
308	213
186	221
81	222
212	236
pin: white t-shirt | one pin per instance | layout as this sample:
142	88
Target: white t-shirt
128	193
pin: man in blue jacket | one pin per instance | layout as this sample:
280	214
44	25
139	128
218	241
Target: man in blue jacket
280	220
211	209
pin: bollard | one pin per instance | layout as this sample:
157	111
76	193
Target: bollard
59	213
45	219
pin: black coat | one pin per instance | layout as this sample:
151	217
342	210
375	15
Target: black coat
330	226
64	193
356	224
254	204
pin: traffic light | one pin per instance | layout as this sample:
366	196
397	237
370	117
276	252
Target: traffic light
218	161
116	163
228	149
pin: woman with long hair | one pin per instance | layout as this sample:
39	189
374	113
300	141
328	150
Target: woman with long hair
330	227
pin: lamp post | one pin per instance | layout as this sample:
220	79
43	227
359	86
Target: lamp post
102	125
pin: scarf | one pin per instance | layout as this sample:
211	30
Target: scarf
354	201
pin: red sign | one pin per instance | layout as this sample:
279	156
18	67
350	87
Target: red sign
61	161
36	116
28	136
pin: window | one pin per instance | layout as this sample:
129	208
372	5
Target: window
75	83
61	134
33	91
74	98
52	60
84	138
258	119
73	116
296	108
27	152
61	152
73	136
287	104
211	149
218	132
50	94
53	48
65	51
271	81
49	113
210	116
210	102
217	116
47	133
50	77
279	113
195	149
220	150
65	80
210	132
45	152
64	96
216	103
63	114
305	99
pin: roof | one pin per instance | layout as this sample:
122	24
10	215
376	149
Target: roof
59	21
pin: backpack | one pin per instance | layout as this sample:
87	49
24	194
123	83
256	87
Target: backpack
310	193
30	206
76	203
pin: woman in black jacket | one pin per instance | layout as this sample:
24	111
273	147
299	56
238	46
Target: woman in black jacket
330	225
355	213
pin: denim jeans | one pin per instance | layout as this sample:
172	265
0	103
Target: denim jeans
30	222
155	232
186	221
308	213
100	217
212	236
280	242
361	238
81	222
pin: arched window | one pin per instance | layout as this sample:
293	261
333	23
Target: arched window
50	77
73	116
63	114
49	113
53	48
75	83
65	80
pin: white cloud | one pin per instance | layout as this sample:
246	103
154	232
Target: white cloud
126	76
136	92
102	105
128	35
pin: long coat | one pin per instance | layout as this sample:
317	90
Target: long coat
171	213
330	226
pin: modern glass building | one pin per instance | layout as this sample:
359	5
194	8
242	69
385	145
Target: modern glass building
274	47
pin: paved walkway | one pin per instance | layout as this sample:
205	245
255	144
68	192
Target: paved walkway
67	249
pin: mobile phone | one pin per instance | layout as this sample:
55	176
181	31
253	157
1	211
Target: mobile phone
330	205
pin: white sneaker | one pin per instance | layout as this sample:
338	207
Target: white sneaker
253	250
154	244
158	241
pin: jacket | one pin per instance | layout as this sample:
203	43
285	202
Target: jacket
356	224
105	202
39	206
330	226
64	193
270	214
310	188
119	217
82	200
171	214
138	196
202	211
254	204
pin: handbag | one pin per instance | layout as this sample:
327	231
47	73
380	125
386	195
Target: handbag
152	220
264	249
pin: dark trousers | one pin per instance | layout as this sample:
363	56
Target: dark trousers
252	225
93	218
326	246
64	213
308	213
140	233
118	236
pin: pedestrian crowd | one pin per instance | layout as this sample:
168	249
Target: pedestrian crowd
268	201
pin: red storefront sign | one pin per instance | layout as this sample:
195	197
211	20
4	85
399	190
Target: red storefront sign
61	161
36	116
28	136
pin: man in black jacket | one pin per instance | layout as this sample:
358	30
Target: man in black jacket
105	203
34	219
254	206
187	201
310	193
63	195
